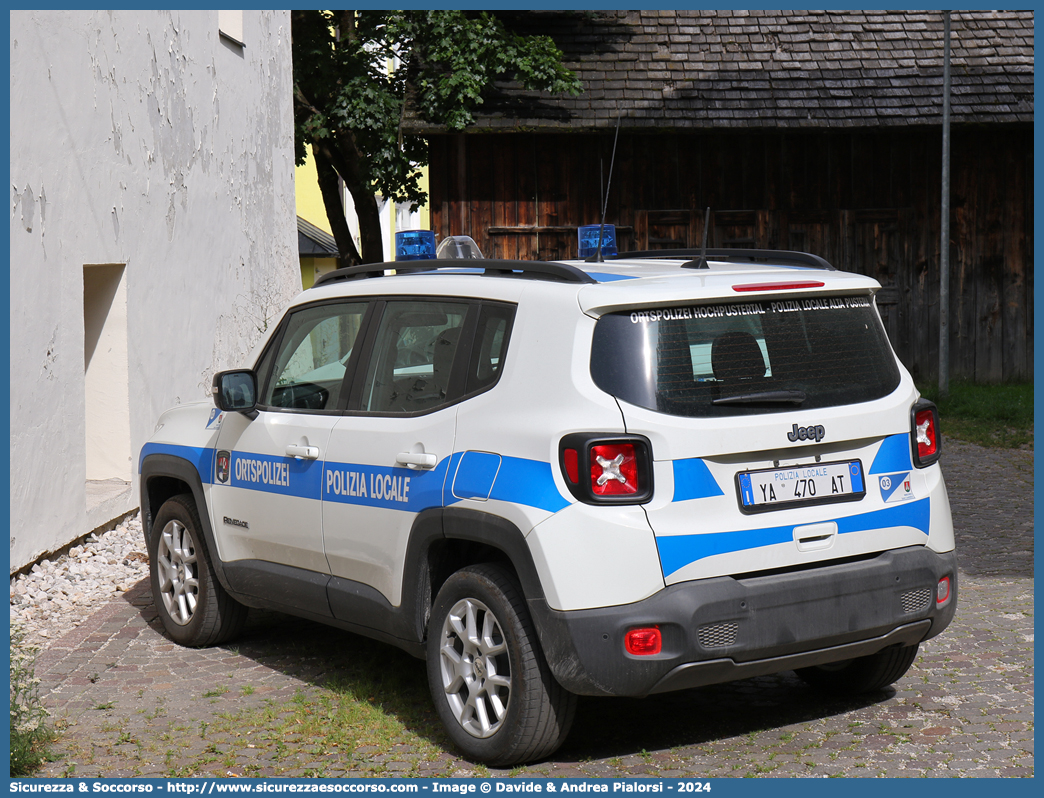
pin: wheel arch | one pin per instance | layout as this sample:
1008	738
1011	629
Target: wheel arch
444	540
164	476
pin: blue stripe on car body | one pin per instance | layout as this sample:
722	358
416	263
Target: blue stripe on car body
893	455
677	551
201	458
518	480
521	481
529	482
395	488
606	277
693	480
286	476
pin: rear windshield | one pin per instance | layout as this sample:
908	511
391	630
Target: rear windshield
744	358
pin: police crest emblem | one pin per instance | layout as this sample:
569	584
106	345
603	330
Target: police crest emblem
223	460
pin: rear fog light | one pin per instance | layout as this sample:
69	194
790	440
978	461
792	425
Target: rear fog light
942	592
644	642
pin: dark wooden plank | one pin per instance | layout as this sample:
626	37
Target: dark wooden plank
989	355
735	228
641	229
480	186
437	188
1014	177
908	300
965	255
460	222
766	229
771	153
526	204
504	197
549	190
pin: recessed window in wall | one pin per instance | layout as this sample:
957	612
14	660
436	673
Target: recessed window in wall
105	369
230	25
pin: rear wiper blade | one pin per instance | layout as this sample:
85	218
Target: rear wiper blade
769	397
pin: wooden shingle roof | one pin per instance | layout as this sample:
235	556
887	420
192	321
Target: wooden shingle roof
793	69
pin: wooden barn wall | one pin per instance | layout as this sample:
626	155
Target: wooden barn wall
866	201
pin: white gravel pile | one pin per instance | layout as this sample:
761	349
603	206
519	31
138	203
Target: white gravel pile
57	596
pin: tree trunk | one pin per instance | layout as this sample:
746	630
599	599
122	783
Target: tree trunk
347	254
369	220
345	157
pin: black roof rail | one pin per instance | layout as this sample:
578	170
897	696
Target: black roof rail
697	261
525	269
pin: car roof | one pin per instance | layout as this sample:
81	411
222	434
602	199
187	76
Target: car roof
652	282
628	280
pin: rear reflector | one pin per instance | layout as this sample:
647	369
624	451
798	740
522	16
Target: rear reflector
942	591
644	642
777	286
570	459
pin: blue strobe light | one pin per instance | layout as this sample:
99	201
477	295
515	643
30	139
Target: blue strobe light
587	236
414	245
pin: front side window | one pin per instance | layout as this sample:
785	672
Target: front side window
308	367
412	360
745	358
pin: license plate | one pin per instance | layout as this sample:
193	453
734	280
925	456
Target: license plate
800	486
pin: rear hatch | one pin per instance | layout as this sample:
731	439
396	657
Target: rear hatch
779	421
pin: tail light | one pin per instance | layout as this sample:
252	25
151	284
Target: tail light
614	470
925	441
607	469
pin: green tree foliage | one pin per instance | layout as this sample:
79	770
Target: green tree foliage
357	73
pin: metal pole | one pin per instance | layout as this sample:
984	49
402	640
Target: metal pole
944	243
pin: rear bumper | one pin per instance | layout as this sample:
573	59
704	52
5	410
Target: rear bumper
721	629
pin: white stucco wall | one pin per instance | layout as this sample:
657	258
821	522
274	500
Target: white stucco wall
141	139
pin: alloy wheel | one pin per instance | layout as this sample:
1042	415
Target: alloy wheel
476	672
178	578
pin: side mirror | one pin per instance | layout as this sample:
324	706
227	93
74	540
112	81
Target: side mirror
235	390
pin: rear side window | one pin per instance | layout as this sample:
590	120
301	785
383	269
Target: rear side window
412	360
491	338
745	358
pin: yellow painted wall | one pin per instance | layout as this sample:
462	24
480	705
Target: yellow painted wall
309	199
314	268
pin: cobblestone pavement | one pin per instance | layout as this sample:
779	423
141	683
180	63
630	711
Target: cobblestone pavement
135	704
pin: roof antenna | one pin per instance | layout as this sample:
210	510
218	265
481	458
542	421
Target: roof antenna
605	200
701	261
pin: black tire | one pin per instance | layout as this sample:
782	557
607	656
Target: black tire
496	696
862	675
191	603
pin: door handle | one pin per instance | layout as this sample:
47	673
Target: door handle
302	452
422	459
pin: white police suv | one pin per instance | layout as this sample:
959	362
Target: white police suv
617	478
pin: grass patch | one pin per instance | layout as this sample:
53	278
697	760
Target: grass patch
354	710
989	415
31	732
370	707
